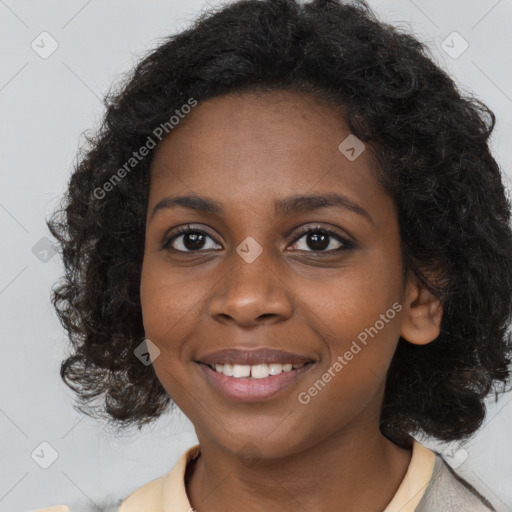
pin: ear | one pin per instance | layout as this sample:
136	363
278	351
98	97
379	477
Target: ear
421	320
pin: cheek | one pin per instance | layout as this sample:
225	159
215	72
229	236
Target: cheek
355	297
360	328
161	314
358	313
169	300
171	304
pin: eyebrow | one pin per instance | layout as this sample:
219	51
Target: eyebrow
300	203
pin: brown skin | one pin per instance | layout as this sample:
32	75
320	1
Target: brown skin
246	151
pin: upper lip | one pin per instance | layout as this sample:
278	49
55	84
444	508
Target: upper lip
251	357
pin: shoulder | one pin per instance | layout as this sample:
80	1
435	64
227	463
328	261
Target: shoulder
149	494
449	492
169	489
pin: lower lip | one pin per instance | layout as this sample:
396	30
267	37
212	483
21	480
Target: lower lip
249	389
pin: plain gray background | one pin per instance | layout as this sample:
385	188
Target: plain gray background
46	103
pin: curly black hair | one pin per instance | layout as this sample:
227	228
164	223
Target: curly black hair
431	145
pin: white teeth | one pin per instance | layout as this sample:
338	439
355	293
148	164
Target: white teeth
275	369
257	371
241	370
260	371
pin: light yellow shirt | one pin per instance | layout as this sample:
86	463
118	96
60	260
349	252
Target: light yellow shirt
168	493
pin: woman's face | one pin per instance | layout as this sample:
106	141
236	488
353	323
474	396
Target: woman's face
248	278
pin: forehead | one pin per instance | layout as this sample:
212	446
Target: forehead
277	120
253	147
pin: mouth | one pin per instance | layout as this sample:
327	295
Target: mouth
253	375
255	371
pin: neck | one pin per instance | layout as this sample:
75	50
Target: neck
334	474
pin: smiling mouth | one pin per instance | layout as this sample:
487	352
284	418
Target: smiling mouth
255	382
255	371
254	375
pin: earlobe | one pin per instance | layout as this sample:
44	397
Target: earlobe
423	311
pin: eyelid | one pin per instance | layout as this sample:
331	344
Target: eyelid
304	229
181	230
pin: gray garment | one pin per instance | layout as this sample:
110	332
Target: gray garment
448	492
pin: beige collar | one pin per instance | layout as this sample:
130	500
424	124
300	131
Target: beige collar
168	493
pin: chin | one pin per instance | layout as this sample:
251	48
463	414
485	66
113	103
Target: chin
255	446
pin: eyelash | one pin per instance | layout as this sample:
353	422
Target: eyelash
347	245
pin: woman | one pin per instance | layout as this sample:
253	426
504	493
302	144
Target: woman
290	226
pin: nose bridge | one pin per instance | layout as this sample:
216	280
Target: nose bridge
252	286
253	261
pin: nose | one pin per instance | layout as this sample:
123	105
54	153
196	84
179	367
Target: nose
251	292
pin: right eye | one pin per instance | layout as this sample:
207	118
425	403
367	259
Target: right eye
192	240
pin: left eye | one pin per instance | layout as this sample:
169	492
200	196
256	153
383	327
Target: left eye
319	239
